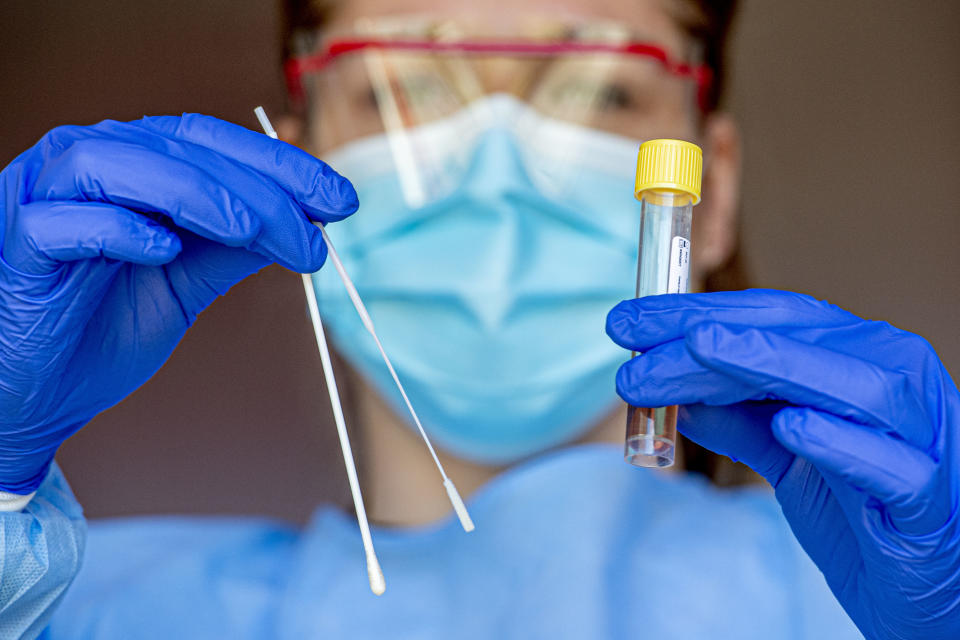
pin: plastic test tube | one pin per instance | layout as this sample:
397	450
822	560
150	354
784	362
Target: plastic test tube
668	186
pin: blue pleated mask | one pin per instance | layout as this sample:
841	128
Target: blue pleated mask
489	288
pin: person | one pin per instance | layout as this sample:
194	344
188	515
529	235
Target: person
489	154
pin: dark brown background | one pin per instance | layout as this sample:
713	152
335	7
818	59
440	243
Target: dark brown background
850	115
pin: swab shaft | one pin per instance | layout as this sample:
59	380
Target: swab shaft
458	506
373	566
374	573
368	324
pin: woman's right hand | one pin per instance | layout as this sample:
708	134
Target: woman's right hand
113	238
854	423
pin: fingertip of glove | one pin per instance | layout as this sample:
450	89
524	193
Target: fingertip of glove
788	427
332	197
317	256
622	386
620	320
347	193
163	246
317	262
628	384
305	265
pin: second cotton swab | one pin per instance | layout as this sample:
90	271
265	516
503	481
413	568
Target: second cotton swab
377	584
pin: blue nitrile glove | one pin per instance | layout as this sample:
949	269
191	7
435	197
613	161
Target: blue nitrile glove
113	238
854	423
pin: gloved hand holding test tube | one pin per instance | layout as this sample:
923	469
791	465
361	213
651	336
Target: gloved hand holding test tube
377	582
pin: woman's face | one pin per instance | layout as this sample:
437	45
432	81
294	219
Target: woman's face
480	144
660	104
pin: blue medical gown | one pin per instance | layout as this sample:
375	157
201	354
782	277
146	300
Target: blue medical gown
575	544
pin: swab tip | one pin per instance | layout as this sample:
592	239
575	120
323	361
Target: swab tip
377	583
458	506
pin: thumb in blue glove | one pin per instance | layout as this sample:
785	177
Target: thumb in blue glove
113	238
853	422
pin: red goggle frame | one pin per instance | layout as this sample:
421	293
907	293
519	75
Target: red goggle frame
296	67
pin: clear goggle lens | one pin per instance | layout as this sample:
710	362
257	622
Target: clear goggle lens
408	89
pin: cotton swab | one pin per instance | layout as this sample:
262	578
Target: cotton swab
374	574
455	500
452	493
377	583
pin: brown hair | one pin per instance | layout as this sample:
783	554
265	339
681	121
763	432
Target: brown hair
706	22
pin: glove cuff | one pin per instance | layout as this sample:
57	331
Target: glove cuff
14	501
21	465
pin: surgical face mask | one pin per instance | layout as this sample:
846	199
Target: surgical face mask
489	283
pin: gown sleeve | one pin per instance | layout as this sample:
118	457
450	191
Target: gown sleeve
42	546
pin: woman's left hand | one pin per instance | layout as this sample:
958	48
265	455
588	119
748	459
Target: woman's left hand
855	424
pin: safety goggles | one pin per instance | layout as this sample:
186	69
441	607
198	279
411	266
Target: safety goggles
382	79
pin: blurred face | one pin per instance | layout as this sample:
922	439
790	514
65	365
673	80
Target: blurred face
494	155
361	95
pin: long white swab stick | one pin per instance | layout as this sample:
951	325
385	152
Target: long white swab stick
455	500
458	506
377	583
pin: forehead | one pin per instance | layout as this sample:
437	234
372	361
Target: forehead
649	19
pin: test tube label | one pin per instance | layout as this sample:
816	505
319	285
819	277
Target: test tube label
679	265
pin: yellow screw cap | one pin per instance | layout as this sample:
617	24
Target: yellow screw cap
669	165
